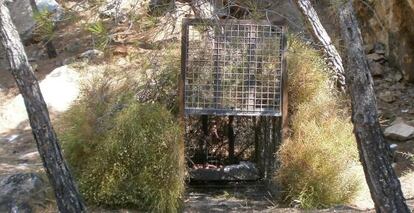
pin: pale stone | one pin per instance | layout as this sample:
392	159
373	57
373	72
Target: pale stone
375	57
245	170
377	69
91	54
399	131
59	89
387	96
170	24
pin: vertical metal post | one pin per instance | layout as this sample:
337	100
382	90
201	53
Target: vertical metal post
184	59
218	90
251	66
284	89
231	137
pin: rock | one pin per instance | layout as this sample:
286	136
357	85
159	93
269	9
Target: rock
170	24
61	82
68	61
120	50
398	120
393	146
392	31
91	54
399	131
380	52
387	96
60	89
379	48
52	6
122	62
368	48
49	5
22	14
375	57
121	8
243	171
398	76
377	70
22	193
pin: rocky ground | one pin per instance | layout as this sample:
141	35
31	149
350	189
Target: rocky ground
395	106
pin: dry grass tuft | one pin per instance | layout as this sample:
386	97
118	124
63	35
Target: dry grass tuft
318	161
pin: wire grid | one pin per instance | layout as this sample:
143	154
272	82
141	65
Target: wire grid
233	68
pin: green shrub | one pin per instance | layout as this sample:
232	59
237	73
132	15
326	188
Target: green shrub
319	162
130	154
100	35
44	25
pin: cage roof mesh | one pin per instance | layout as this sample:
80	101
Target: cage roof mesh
232	67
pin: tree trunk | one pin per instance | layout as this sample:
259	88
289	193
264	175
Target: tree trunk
319	33
383	183
67	196
50	48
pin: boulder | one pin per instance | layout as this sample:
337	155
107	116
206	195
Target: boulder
22	14
121	8
52	6
60	89
22	193
49	5
399	131
394	30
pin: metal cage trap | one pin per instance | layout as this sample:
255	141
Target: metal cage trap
232	67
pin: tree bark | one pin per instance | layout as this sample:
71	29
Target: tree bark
319	33
383	183
67	195
50	48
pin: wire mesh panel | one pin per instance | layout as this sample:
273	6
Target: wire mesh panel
232	67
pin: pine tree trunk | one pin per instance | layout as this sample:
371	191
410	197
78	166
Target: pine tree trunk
319	33
383	183
67	196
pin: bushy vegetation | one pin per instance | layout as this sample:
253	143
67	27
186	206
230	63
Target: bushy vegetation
319	161
100	35
124	152
44	25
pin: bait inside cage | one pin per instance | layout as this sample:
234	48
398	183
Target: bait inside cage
232	67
